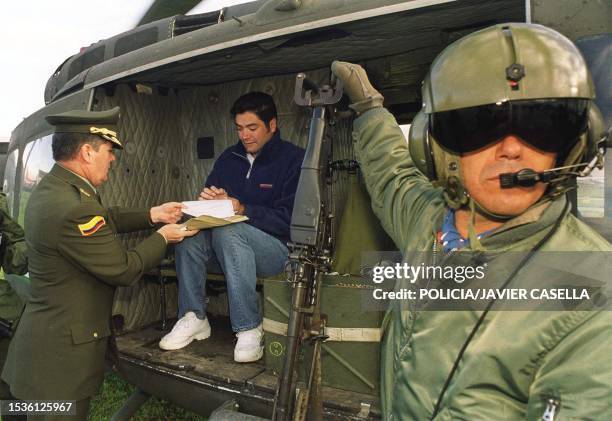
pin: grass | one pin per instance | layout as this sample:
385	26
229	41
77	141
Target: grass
115	391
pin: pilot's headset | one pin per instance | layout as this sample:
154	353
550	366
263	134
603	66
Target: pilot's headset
516	78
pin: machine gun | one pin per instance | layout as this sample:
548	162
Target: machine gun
309	259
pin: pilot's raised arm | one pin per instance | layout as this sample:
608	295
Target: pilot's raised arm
507	120
401	195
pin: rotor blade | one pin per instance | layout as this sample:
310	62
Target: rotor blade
163	8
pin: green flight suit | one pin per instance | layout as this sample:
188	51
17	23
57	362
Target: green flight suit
14	260
517	360
75	263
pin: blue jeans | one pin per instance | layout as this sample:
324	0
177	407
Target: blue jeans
243	252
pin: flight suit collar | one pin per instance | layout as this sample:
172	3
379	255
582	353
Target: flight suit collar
537	220
76	180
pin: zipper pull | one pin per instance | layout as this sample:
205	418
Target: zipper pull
551	409
436	245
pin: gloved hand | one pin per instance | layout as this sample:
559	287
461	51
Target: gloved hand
357	86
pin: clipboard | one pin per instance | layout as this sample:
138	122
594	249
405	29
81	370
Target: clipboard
206	221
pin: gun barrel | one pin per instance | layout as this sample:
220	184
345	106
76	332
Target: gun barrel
294	332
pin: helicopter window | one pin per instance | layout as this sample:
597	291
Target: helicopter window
86	60
37	162
135	41
591	194
8	185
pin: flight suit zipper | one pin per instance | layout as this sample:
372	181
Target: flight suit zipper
551	409
414	309
436	242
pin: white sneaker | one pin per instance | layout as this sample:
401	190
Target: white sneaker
186	329
250	345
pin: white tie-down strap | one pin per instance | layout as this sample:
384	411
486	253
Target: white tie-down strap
336	334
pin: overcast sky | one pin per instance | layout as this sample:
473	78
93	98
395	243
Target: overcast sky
36	36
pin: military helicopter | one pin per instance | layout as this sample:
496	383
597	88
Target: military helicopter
174	78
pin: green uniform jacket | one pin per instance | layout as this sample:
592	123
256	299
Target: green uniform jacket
517	360
75	263
12	245
13	258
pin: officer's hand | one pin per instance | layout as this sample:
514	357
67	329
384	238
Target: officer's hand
168	213
174	233
362	94
213	193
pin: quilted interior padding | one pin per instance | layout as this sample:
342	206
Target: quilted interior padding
159	162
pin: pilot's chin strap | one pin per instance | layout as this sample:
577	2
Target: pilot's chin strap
475	243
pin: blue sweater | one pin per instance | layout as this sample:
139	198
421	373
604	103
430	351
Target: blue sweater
268	191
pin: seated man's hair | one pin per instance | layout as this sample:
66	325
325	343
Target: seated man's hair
256	102
66	145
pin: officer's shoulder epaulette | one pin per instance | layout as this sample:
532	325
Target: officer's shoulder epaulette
88	206
84	195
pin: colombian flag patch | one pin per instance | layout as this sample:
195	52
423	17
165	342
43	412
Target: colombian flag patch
92	226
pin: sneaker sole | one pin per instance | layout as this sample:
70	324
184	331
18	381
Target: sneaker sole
257	357
175	346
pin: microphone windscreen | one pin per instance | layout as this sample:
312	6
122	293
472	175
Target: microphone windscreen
506	180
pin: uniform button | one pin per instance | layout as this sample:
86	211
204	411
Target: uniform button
95	334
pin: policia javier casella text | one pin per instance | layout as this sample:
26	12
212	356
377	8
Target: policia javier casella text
476	280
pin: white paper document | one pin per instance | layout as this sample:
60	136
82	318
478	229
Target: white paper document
216	208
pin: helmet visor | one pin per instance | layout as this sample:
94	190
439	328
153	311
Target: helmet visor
551	125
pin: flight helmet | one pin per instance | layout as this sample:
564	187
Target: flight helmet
513	78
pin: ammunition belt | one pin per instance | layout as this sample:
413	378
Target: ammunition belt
336	334
359	286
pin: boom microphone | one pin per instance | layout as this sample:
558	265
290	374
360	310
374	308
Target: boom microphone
526	177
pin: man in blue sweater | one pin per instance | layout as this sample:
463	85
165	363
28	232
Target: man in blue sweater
259	174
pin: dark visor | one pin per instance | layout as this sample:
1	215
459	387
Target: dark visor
551	125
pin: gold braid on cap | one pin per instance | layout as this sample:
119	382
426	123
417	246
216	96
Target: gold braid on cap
105	133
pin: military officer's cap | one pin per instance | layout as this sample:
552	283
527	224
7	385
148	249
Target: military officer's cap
100	123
